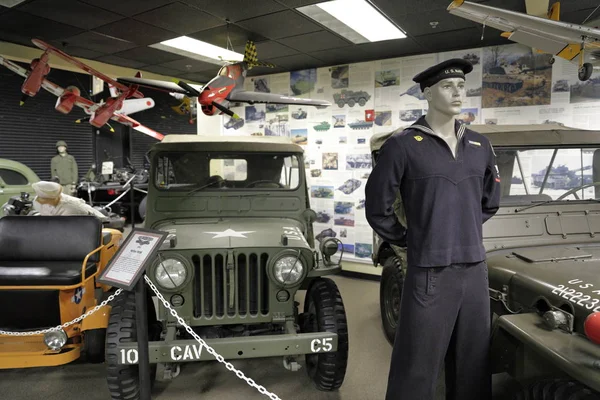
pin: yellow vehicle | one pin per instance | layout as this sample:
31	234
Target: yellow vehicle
48	271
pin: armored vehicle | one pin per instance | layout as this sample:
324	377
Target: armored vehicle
358	124
240	249
351	97
383	118
235	123
349	186
323	126
543	257
299	114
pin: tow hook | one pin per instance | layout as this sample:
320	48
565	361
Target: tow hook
291	364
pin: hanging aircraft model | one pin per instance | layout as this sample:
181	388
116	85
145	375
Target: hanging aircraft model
548	35
226	88
116	108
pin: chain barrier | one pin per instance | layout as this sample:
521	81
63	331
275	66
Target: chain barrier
210	350
66	324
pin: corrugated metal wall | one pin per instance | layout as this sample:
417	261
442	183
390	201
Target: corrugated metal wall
29	133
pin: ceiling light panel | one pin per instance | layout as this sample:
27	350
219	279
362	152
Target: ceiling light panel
198	50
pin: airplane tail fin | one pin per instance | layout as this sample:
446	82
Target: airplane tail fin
554	12
251	56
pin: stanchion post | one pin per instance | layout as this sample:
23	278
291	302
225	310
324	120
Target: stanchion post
132	200
141	307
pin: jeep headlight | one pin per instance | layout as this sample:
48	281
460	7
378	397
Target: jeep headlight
288	270
170	273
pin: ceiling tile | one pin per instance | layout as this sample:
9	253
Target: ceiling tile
98	42
179	18
218	36
189	65
268	49
299	3
416	24
577	17
236	10
70	12
76	51
315	41
457	40
340	55
157	69
148	55
389	48
197	77
136	31
280	25
123	62
296	62
15	21
570	6
128	7
11	37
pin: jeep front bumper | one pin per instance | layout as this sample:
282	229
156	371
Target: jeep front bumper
232	348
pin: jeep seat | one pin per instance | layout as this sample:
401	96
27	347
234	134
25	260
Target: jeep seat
48	250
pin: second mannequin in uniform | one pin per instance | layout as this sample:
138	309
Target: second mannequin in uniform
64	168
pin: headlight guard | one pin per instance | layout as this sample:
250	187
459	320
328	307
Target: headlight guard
289	265
171	272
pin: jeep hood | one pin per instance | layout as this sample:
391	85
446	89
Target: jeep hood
560	274
236	233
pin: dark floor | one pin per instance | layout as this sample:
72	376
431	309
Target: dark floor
365	379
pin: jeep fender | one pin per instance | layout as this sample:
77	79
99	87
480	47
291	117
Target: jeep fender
97	320
525	348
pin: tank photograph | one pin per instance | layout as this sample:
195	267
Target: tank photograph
290	200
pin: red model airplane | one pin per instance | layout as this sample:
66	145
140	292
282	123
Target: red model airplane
226	88
115	108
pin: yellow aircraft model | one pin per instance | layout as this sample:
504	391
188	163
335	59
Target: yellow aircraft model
547	35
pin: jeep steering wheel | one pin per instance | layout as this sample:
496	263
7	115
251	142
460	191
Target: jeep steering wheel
575	190
253	184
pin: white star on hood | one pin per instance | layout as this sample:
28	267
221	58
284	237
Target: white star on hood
229	233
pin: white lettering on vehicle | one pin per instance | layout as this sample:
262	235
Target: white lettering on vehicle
321	345
294	233
191	352
129	356
572	294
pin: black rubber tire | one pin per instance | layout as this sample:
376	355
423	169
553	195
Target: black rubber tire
585	72
554	389
94	341
142	208
123	380
390	295
362	101
324	312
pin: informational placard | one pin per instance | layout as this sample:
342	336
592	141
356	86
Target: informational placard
132	259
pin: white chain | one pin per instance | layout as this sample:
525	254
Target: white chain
66	324
210	350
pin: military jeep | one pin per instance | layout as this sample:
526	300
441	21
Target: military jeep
240	248
543	256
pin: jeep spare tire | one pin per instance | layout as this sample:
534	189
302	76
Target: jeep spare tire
324	312
390	295
123	380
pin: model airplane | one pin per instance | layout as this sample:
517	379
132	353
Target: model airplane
115	108
548	35
226	88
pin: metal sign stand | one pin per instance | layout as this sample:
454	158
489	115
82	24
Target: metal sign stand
126	271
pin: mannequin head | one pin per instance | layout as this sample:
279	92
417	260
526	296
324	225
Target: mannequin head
61	147
443	86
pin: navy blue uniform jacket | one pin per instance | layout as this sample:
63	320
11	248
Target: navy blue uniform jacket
446	198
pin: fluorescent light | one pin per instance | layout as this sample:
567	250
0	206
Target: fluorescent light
10	3
199	50
365	23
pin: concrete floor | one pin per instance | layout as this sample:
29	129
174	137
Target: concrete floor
365	379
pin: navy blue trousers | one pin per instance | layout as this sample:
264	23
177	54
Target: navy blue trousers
444	317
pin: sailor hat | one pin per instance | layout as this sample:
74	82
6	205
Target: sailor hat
454	68
47	190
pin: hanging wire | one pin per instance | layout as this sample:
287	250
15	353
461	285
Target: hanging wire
596	9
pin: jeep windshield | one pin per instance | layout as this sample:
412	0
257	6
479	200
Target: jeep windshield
531	176
218	171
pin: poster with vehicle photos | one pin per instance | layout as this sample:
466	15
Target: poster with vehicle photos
473	82
410	96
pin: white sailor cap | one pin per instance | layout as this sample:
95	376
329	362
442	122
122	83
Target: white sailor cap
47	190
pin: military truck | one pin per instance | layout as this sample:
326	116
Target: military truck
543	257
239	252
351	97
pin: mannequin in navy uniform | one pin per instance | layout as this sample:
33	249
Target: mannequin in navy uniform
447	178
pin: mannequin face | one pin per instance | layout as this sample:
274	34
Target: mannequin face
446	97
62	149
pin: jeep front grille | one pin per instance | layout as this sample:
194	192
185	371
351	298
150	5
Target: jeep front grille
230	284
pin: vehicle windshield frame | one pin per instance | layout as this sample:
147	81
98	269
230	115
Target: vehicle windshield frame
229	154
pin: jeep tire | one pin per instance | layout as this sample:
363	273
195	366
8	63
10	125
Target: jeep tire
554	389
324	312
390	295
123	380
93	345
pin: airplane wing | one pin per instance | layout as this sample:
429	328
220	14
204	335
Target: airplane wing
260	97
164	86
550	36
126	120
46	47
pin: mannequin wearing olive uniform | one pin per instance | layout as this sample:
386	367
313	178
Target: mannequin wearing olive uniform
64	167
